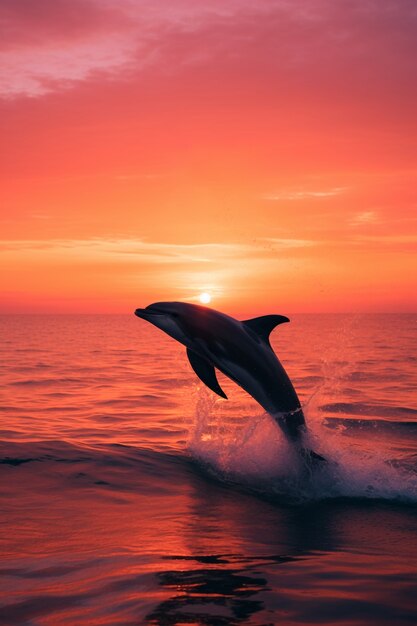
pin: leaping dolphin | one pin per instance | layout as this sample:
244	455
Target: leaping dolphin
241	351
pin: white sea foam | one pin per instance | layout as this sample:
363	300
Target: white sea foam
249	449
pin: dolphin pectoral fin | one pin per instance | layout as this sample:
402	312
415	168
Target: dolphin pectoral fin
264	325
206	372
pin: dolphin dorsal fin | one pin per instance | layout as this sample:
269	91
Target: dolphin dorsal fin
206	372
264	325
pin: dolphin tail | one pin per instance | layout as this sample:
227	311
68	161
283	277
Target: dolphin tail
293	426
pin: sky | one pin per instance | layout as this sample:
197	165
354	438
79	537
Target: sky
263	152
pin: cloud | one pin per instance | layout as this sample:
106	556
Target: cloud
26	73
49	44
305	194
396	243
129	266
29	23
112	250
109	274
275	243
52	44
363	218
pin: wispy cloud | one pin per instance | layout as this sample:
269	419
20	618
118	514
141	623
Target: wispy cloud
133	265
36	73
111	249
53	43
304	194
63	42
400	242
363	218
110	273
274	243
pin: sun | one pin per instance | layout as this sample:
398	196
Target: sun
205	298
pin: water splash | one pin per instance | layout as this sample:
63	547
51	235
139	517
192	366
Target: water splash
249	450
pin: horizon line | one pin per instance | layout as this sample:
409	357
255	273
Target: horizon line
39	313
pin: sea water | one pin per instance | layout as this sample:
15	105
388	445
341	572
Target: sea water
131	494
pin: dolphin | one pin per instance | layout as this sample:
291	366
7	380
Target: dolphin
241	351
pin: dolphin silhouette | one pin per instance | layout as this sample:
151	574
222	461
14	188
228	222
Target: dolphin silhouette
241	351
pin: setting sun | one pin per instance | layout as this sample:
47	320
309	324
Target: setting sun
205	298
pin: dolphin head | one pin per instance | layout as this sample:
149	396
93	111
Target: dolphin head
173	318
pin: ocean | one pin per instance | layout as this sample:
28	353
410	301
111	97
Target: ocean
131	494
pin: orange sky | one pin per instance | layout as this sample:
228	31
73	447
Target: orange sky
262	151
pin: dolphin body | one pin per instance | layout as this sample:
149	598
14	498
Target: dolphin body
241	351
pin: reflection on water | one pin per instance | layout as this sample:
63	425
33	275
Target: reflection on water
315	584
208	596
117	536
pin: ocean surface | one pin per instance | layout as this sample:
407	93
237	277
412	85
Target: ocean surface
130	494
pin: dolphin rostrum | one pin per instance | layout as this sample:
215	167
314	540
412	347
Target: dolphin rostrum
241	351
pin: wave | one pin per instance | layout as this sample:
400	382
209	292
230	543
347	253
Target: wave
361	408
40	382
408	426
255	455
258	463
247	451
115	467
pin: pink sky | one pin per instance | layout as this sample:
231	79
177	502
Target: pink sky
264	152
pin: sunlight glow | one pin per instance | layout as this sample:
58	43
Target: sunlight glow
205	298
